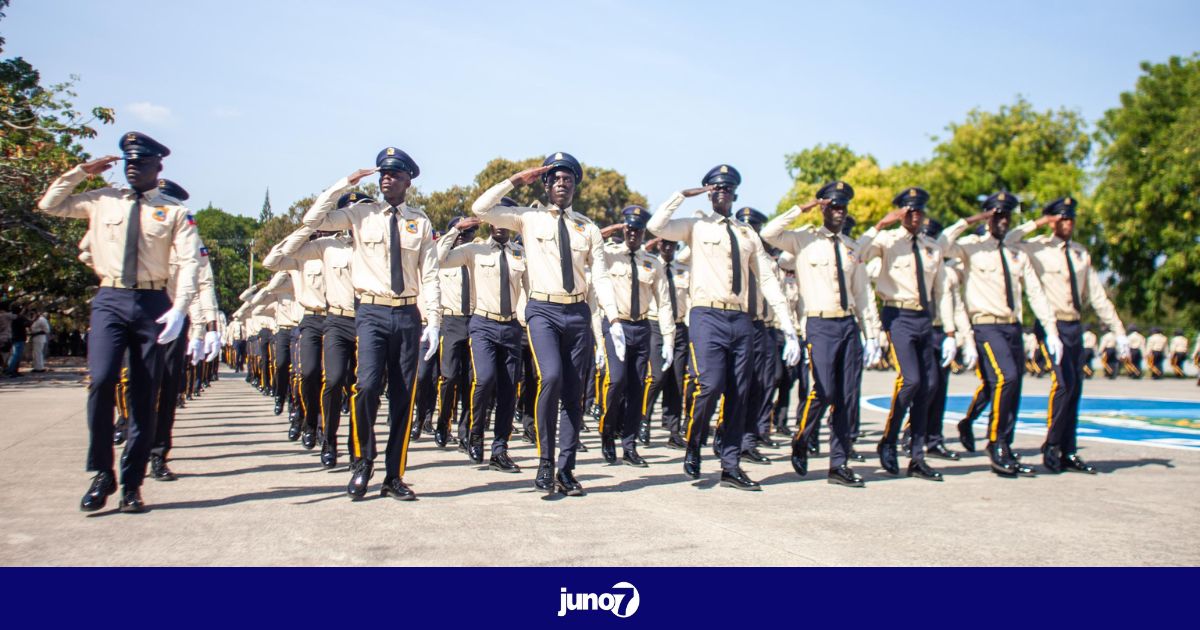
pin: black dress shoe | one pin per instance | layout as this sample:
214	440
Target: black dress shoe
813	449
1001	464
159	470
357	488
545	478
475	452
308	439
676	443
691	462
131	501
462	447
887	458
441	435
104	484
738	479
278	406
843	475
1024	470
966	435
644	432
800	460
527	435
783	431
1052	458
907	446
328	455
503	463
1073	463
346	405
753	456
631	458
565	483
293	433
582	448
940	451
856	456
608	448
769	443
396	489
119	431
919	469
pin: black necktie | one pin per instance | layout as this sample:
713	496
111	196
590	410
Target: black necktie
397	267
921	291
753	310
505	293
671	287
635	296
736	254
466	291
564	253
133	234
837	257
1071	273
1008	296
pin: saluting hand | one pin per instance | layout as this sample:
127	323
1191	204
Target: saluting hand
1048	219
692	192
529	176
891	218
467	223
982	216
814	203
99	165
357	176
608	231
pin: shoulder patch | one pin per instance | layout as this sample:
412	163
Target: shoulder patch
191	219
160	214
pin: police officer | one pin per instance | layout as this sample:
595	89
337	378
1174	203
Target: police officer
995	274
760	400
639	283
725	252
1133	358
333	252
134	231
281	292
1068	280
834	288
950	288
497	270
911	269
454	378
1089	351
669	381
1156	346
560	245
394	260
1179	348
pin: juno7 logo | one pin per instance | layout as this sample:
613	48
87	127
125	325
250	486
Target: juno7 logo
623	601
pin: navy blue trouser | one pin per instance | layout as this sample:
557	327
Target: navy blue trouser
427	390
1066	388
309	346
281	345
835	357
937	402
174	360
455	374
265	337
388	347
496	349
761	402
121	320
337	363
910	335
560	338
624	385
1002	359
722	365
669	382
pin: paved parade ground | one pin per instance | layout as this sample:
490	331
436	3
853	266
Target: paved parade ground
247	496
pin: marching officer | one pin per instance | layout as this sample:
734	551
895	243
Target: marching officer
394	261
1179	348
911	269
1089	350
725	252
669	381
1108	354
834	288
1068	281
281	292
497	271
995	274
560	245
760	402
1133	358
1156	346
134	232
454	378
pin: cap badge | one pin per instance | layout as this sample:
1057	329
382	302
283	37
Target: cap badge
1067	202
391	151
724	169
1000	197
912	192
840	185
558	156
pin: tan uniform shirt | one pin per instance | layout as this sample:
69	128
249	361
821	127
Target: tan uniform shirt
984	276
371	267
681	276
334	253
539	232
1156	343
1048	254
950	288
897	279
307	275
451	277
816	271
1108	341
483	260
1179	343
652	287
707	238
281	293
1089	340
166	227
1137	341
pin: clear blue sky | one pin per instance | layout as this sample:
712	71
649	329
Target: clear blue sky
294	95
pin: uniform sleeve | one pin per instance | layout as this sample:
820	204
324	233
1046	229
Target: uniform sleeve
1099	299
965	334
451	256
273	288
207	291
186	245
600	279
276	260
949	240
864	302
523	297
662	292
58	200
868	245
663	226
430	287
323	215
1037	297
487	207
768	282
775	232
945	300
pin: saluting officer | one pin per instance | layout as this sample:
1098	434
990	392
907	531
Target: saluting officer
760	401
670	380
560	245
949	288
639	283
834	288
911	268
134	231
725	252
995	274
1068	281
454	378
281	292
497	270
394	261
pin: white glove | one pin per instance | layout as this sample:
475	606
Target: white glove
872	352
970	356
430	336
1122	347
195	350
172	322
212	345
1054	347
668	357
949	349
618	338
599	357
791	349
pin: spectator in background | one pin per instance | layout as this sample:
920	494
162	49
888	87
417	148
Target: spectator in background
39	334
20	334
6	319
76	344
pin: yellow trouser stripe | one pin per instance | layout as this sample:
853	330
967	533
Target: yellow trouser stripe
603	392
354	437
537	394
692	410
474	382
995	424
1050	408
887	427
808	401
412	403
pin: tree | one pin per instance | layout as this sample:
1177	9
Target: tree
265	214
1148	197
822	163
228	238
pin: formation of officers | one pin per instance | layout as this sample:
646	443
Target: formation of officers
720	312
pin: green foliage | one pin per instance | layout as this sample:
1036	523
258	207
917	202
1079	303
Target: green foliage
228	238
